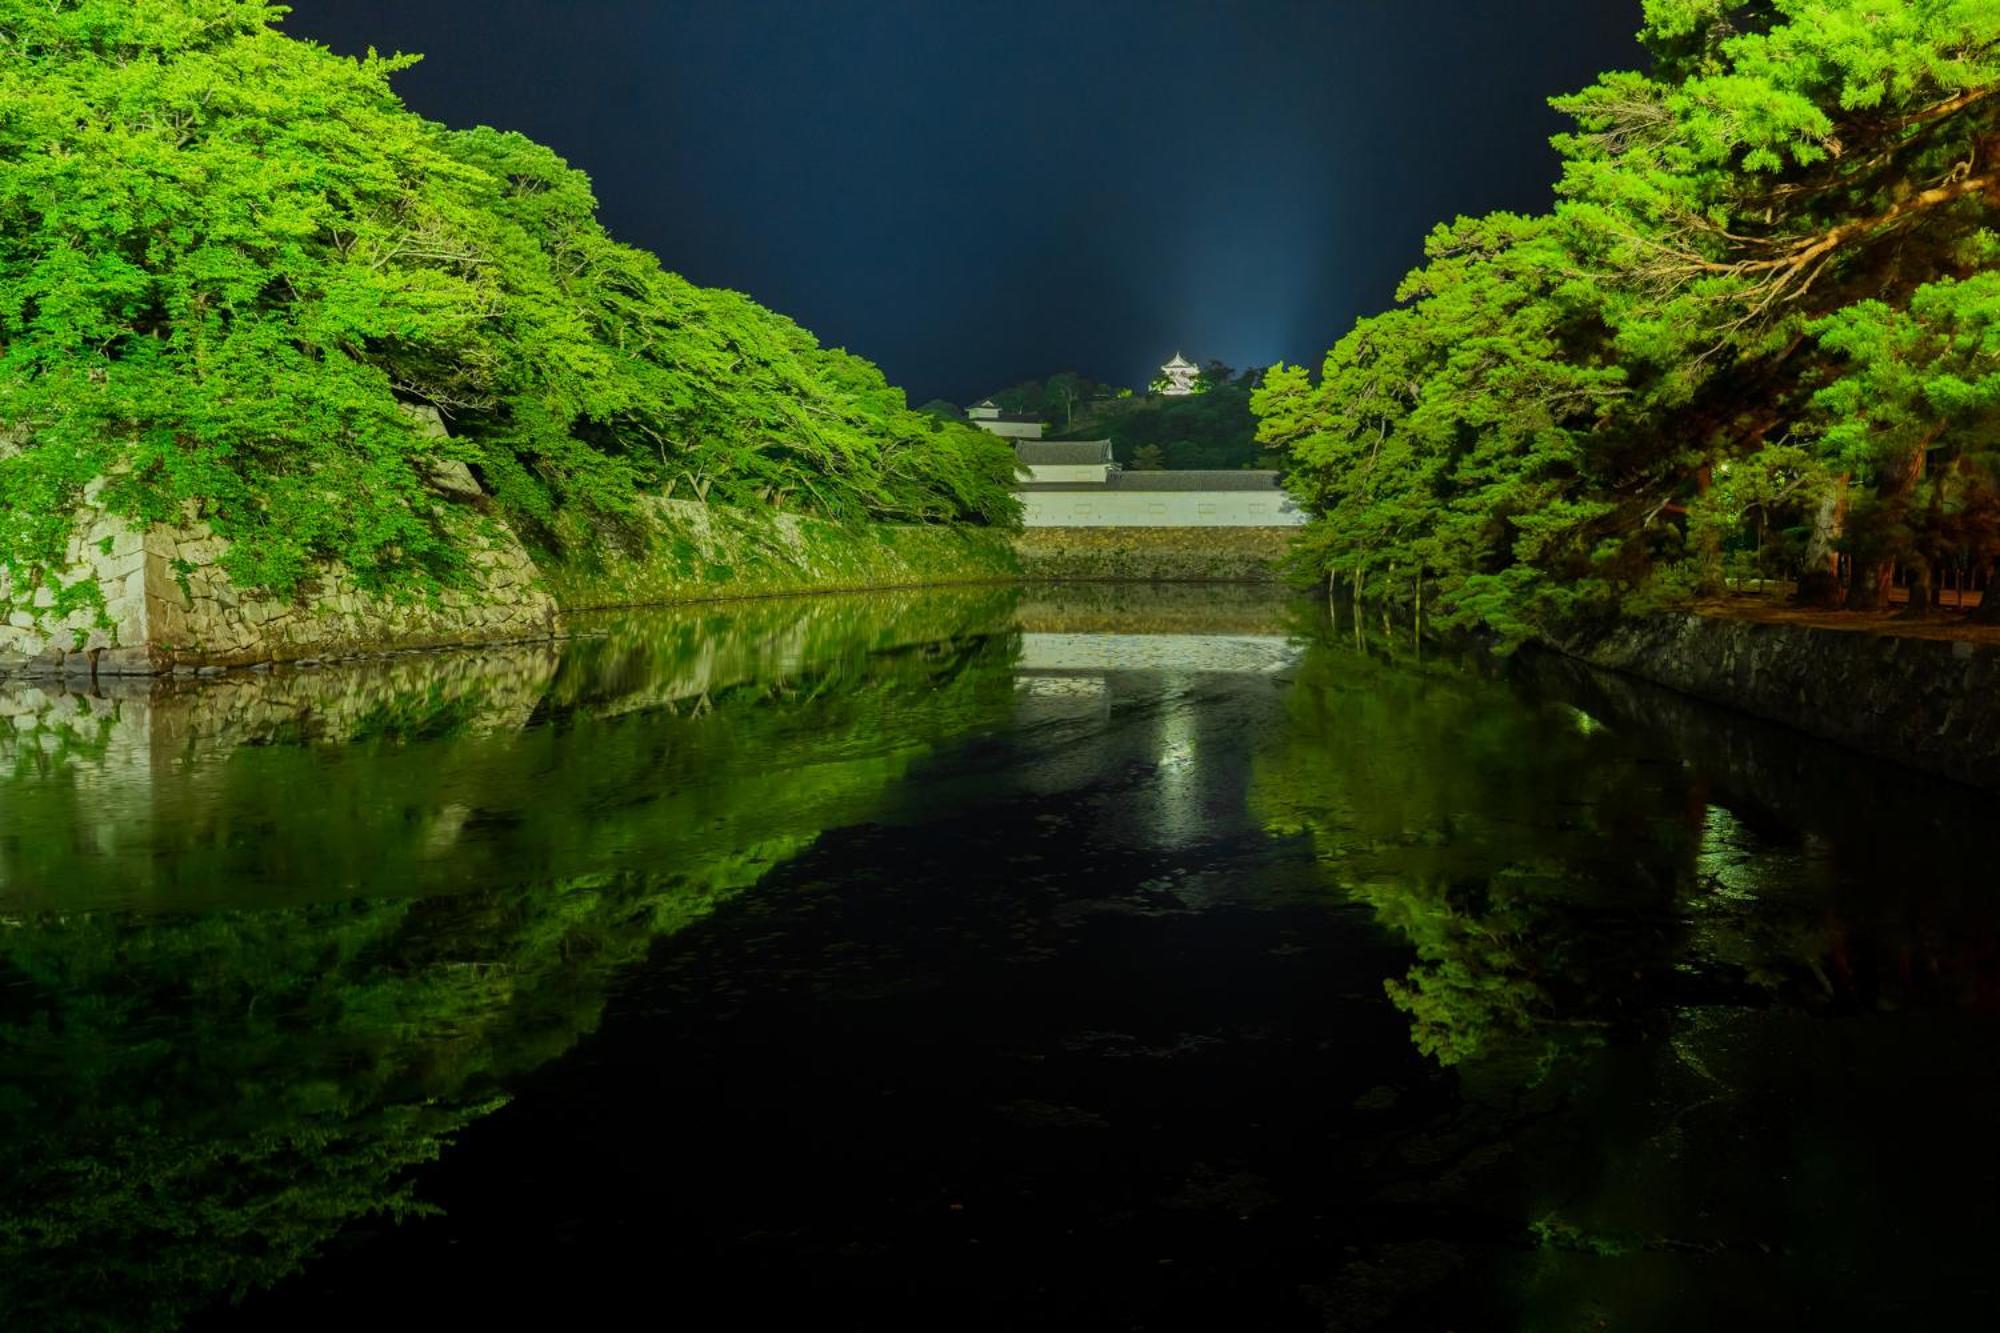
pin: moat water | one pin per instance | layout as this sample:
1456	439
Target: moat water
1104	958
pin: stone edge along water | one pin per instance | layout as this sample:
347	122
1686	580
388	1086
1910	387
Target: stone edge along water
170	607
1932	704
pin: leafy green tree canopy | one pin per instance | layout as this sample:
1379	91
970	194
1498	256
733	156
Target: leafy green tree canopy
229	260
1779	236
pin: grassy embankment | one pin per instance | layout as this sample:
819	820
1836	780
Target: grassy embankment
699	553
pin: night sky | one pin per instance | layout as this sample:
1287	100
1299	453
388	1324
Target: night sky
972	194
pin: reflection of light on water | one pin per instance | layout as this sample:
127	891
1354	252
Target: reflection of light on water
1116	706
1177	805
1256	653
1060	687
1723	863
1734	865
1585	723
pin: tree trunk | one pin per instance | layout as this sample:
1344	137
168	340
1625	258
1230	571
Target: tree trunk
1924	561
1869	584
1923	595
1988	610
1708	541
1820	584
1874	579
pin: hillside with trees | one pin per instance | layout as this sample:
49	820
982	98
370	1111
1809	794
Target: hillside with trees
230	260
1757	335
1213	428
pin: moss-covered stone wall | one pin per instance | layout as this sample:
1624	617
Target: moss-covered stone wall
169	606
1164	555
684	551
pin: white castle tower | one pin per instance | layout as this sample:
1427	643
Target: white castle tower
1179	374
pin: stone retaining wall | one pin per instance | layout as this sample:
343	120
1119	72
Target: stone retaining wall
686	551
168	606
203	621
114	554
1163	555
1930	703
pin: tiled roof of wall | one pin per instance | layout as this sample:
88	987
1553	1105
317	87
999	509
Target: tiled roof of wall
1166	481
1052	453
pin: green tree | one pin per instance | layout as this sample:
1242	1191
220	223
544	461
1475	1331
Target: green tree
1536	428
1916	416
1061	395
229	260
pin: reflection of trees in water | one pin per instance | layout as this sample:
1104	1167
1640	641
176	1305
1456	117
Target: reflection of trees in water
1495	835
1684	987
192	1105
437	783
1560	847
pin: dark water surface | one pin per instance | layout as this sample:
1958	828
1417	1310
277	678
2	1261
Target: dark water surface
1109	958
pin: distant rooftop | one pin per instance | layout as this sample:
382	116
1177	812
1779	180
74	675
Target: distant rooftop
1166	481
1054	453
988	410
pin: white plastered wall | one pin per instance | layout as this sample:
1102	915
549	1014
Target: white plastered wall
1160	509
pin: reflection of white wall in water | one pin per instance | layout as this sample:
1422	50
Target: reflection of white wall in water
1060	698
1060	687
1177	791
103	751
1072	681
1155	652
146	757
1160	509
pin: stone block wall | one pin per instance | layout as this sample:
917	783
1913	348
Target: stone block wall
169	606
114	553
693	552
202	620
1930	703
1162	555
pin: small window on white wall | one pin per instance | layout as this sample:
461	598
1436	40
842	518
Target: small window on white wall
1156	510
1206	511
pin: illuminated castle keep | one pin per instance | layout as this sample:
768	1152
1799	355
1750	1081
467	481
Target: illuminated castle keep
1179	375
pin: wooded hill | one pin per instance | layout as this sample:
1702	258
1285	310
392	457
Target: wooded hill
1210	429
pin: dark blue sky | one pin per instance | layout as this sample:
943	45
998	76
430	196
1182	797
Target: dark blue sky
973	193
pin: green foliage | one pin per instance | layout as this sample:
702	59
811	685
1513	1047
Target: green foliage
691	552
1210	429
1059	399
229	261
1775	240
194	1101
